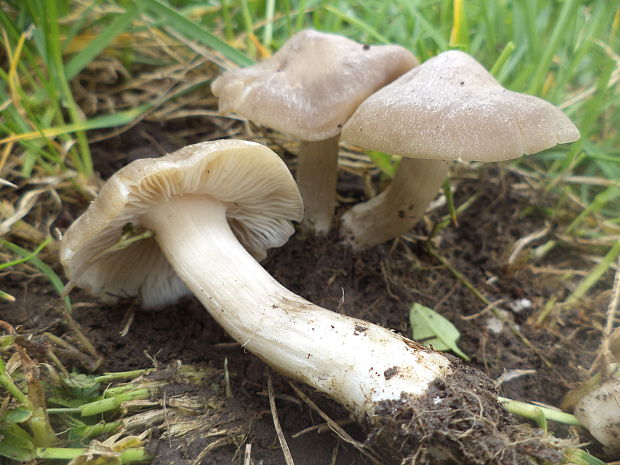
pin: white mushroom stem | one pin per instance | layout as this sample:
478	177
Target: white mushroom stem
317	176
355	362
397	209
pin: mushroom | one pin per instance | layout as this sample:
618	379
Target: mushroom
449	108
214	207
308	90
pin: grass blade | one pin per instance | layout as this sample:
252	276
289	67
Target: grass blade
459	35
100	122
268	30
501	60
97	45
44	268
25	258
561	26
359	23
592	278
194	32
51	31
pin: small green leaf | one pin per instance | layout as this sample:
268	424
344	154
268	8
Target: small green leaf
6	341
16	415
431	329
580	457
6	296
385	162
80	385
16	443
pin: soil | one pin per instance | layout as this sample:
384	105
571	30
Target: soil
530	362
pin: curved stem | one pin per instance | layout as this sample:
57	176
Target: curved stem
355	362
397	209
317	176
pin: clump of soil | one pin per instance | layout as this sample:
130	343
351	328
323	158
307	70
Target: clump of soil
457	421
378	285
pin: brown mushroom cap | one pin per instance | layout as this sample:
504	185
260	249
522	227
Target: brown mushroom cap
254	183
310	87
451	108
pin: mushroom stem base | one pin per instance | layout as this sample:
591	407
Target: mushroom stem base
397	209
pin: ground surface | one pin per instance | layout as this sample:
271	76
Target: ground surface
378	285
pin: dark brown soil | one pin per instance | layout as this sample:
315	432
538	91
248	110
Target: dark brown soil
457	421
378	285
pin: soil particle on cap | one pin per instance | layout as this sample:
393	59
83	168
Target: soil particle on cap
359	329
459	420
391	372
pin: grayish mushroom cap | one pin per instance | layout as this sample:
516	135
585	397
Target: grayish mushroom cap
261	197
451	108
310	87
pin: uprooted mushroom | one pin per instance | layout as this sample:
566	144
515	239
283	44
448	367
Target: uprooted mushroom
448	108
308	90
214	208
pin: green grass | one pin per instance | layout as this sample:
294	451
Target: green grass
559	46
30	431
561	51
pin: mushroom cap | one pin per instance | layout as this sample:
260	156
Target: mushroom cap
451	108
260	194
310	87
